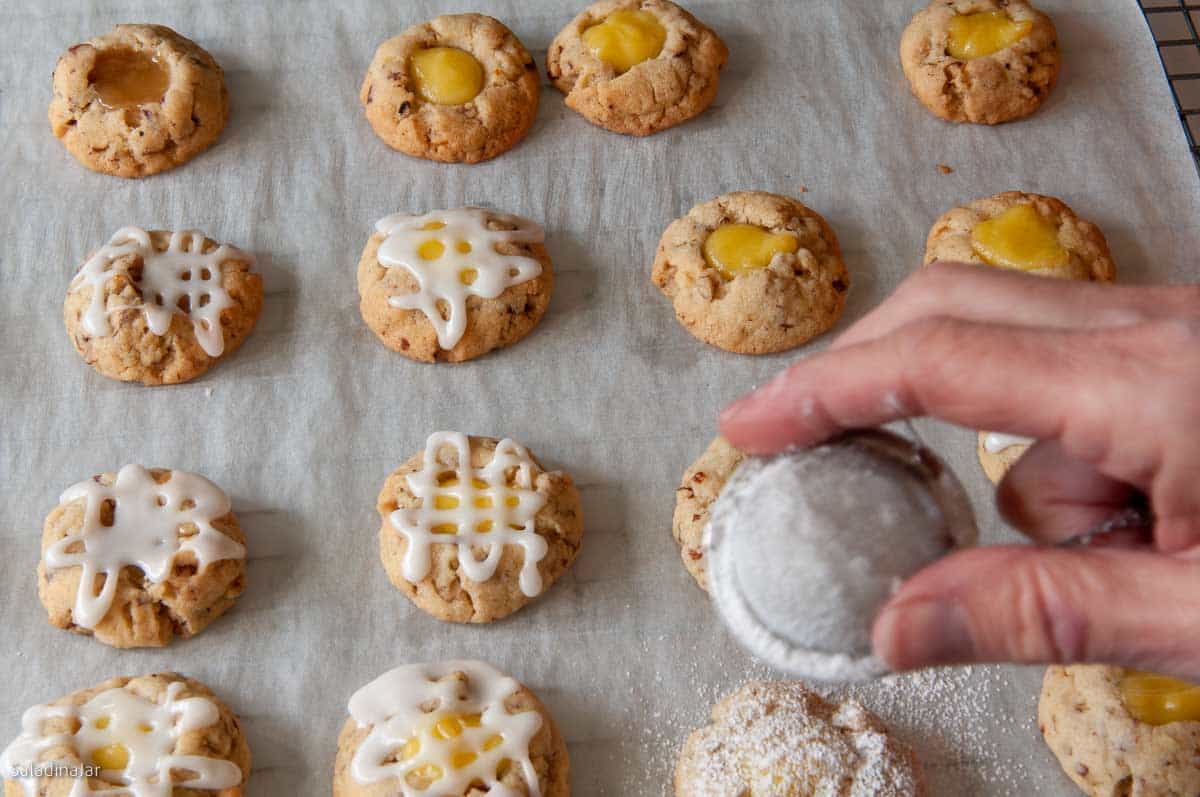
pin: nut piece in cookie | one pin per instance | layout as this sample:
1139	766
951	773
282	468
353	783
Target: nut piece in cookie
636	66
777	738
138	100
451	728
161	307
474	528
702	483
137	557
981	61
452	285
460	88
1121	732
152	734
752	272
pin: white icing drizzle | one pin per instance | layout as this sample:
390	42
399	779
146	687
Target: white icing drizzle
441	280
392	706
145	532
491	510
995	442
148	731
167	278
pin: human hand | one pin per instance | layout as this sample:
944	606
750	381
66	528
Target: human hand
1108	379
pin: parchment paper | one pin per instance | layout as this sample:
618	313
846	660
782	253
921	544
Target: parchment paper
304	422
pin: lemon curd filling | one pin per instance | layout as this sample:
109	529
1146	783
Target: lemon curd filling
111	758
1019	238
1159	700
978	35
446	75
734	249
445	731
626	38
128	78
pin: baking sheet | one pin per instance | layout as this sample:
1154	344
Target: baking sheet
304	422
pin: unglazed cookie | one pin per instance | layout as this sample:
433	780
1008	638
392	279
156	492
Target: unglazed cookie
452	285
981	61
159	735
137	557
455	729
752	272
999	452
777	739
161	307
459	88
636	66
702	483
138	100
474	528
1095	720
1026	232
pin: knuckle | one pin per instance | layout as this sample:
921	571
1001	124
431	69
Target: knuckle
1050	627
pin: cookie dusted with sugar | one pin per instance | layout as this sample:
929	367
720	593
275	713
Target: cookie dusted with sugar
149	736
1024	232
981	61
161	307
752	272
1122	732
474	528
459	88
140	556
138	100
777	739
454	729
636	66
452	285
702	483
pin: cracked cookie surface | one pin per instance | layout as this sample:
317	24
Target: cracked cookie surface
701	484
795	297
444	590
674	85
110	307
484	126
1103	748
138	100
1000	86
777	738
144	609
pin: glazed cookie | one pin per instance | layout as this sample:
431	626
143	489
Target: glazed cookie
999	452
1026	232
981	61
474	528
149	736
1119	732
161	307
138	100
459	88
777	738
701	485
456	727
452	285
636	66
752	272
137	557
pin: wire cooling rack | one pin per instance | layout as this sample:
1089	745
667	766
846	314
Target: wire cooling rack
1174	24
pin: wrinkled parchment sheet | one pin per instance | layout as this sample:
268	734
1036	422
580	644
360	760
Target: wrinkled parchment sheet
303	424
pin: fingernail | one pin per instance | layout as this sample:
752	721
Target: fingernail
923	634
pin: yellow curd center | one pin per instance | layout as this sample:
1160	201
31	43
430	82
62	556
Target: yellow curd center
128	78
1159	700
446	75
114	757
733	249
978	35
626	38
445	731
1019	238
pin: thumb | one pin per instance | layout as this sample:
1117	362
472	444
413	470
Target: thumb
1041	605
